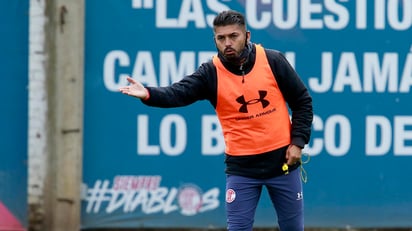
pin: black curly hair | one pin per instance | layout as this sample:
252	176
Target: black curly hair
229	17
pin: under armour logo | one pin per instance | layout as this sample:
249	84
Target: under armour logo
261	99
299	196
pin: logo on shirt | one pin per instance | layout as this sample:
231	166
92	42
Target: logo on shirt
245	104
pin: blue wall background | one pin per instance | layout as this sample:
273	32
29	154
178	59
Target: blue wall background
150	167
13	116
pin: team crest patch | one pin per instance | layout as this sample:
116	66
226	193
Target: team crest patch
230	195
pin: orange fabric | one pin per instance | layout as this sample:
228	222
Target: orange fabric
253	114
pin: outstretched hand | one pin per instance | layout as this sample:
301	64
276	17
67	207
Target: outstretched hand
135	89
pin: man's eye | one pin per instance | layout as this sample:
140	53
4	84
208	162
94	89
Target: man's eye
233	36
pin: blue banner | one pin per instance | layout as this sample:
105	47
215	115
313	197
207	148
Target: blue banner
13	117
151	167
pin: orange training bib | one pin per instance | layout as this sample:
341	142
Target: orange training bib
253	114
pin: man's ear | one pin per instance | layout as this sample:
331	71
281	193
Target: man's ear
248	36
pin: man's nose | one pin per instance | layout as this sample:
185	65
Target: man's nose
228	42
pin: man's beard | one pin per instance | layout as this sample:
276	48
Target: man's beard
232	57
236	57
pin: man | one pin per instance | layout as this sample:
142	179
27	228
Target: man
250	88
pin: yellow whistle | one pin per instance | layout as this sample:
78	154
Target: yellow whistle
285	168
